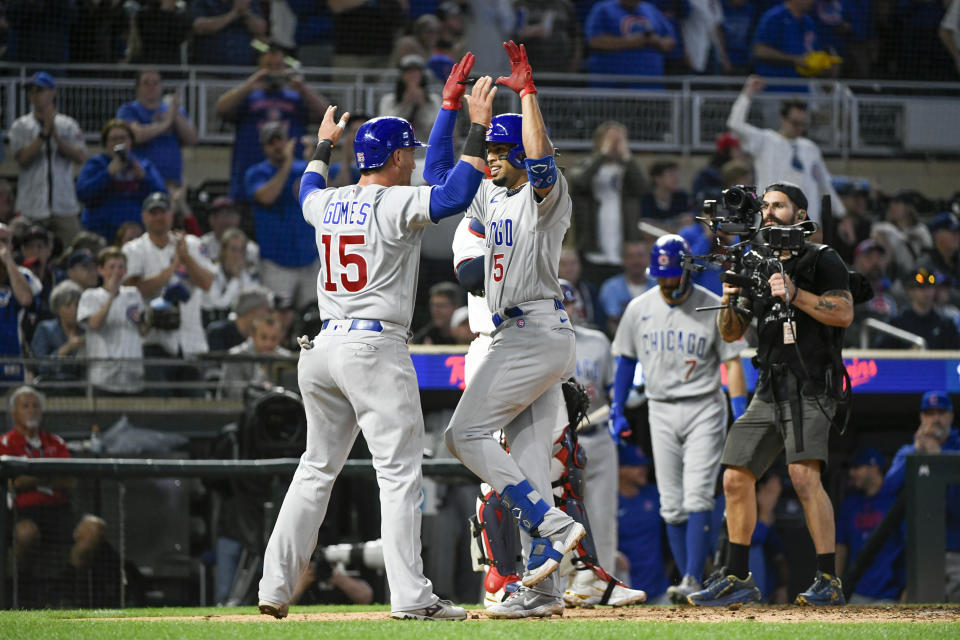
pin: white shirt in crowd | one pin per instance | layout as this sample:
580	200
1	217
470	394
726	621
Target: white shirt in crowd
145	259
608	194
700	31
779	159
211	247
118	339
46	187
223	291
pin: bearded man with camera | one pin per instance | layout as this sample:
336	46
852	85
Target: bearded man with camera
800	295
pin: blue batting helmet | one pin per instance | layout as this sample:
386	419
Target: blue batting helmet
569	293
666	256
379	137
506	128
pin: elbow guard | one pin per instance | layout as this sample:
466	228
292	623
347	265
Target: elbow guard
542	172
470	273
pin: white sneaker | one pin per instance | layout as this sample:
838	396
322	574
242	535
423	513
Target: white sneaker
527	603
588	590
562	541
678	593
278	611
440	610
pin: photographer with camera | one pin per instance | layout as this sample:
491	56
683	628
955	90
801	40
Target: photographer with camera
802	301
112	185
273	92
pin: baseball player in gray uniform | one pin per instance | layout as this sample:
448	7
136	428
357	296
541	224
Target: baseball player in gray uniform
356	374
680	350
525	211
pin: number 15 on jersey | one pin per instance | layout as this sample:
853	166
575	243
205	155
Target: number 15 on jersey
342	267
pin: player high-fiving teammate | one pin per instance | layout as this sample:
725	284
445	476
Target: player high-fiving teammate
356	374
525	210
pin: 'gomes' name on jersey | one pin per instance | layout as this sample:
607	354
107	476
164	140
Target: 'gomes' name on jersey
674	340
346	212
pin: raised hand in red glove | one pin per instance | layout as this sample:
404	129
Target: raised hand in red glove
456	84
521	75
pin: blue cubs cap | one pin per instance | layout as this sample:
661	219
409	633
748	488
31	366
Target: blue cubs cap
936	400
42	79
631	456
868	455
946	220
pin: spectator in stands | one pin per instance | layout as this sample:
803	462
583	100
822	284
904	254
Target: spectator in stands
702	32
18	289
314	32
161	27
921	317
265	341
855	226
640	526
785	34
169	269
411	98
35	251
160	126
222	217
232	276
251	303
92	242
98	31
709	182
113	184
666	202
944	256
460	326
627	37
81	268
7	211
113	315
550	33
861	52
487	24
675	12
129	230
271	94
860	514
606	189
363	32
60	336
571	270
920	54
936	434
45	520
222	30
617	292
38	31
46	145
739	20
445	298
949	33
832	25
289	262
421	41
870	260
784	155
904	212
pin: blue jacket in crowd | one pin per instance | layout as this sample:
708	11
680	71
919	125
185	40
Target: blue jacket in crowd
110	201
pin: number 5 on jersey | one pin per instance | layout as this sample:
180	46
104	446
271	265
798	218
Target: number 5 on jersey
498	267
345	260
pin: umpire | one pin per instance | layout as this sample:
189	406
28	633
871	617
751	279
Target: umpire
798	357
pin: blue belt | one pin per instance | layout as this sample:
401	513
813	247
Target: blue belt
516	312
358	325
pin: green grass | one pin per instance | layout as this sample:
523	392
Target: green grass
91	625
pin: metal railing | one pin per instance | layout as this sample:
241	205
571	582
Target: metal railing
864	118
872	325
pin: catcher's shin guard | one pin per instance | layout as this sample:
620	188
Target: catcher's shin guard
495	545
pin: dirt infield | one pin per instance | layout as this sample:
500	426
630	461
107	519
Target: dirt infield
785	614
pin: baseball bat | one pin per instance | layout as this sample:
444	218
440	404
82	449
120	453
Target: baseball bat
598	415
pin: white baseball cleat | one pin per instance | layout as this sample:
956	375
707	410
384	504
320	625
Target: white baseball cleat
527	603
678	593
547	552
278	611
588	590
440	610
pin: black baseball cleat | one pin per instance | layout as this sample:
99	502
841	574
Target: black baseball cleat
826	590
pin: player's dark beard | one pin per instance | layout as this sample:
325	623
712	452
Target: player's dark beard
501	180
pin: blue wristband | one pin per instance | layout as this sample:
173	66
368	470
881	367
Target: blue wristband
739	406
542	172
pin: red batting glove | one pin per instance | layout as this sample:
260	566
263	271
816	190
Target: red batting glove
521	75
456	84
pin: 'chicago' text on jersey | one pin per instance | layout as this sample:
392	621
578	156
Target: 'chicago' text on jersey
674	340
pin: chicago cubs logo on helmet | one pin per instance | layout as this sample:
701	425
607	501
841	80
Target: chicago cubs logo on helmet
379	137
666	257
506	128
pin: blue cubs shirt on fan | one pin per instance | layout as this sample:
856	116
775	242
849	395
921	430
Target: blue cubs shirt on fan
285	237
641	539
611	18
860	516
778	28
830	18
738	30
164	150
260	107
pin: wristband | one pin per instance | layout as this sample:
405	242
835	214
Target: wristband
323	151
476	143
739	405
796	292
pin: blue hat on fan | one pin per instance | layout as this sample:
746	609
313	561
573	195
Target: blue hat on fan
868	456
42	79
936	400
631	456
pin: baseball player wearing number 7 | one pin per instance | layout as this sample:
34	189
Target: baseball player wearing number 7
680	350
356	374
525	211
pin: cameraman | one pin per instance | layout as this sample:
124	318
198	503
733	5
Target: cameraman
798	357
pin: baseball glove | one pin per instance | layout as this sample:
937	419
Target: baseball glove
577	401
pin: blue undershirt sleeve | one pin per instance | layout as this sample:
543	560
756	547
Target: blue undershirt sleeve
622	382
310	182
440	155
456	193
